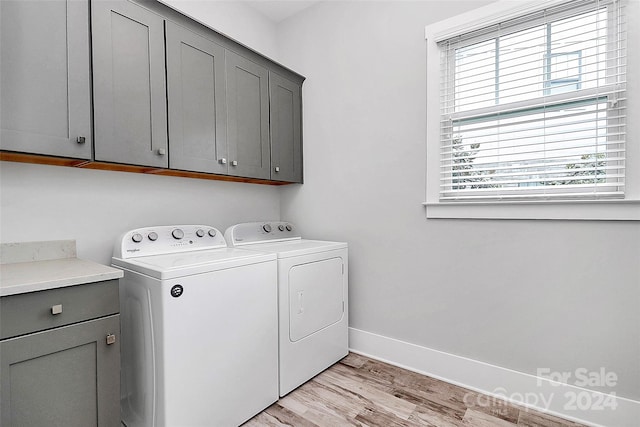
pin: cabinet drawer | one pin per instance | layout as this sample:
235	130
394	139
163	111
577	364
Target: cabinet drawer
31	312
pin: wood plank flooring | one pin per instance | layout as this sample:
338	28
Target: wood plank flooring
359	391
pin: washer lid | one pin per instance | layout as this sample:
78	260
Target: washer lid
293	248
169	266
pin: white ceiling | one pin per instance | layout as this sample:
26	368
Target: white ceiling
279	10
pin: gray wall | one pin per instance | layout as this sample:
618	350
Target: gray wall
95	207
517	294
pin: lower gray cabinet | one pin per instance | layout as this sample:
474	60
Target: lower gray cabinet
129	91
60	357
196	102
286	129
248	117
65	377
44	75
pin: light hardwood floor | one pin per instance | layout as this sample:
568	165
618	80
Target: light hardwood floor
359	391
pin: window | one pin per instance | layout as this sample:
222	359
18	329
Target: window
527	105
534	107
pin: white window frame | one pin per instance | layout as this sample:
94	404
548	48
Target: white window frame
625	209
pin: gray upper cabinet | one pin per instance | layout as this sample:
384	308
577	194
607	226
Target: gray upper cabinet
286	129
130	113
44	73
196	101
248	117
168	92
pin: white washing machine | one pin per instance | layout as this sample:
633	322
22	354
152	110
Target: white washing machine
312	297
199	328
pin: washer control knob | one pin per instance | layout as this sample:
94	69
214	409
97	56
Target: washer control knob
177	234
137	237
153	236
281	227
267	228
200	232
212	233
289	227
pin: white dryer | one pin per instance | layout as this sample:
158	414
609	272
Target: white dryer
199	328
312	297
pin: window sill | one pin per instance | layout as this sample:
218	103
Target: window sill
604	210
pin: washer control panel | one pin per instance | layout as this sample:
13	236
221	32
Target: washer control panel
259	232
166	239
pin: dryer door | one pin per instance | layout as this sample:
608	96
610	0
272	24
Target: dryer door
315	296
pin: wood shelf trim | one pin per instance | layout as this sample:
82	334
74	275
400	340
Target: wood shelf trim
86	164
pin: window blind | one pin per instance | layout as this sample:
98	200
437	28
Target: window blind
535	107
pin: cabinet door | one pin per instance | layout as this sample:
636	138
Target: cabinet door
130	113
286	132
67	377
44	73
248	117
196	100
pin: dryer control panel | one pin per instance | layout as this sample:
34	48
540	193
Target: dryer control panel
166	239
257	232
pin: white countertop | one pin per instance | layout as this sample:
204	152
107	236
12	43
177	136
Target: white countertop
21	277
37	274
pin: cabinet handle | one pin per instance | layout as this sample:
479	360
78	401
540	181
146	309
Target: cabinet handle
56	309
111	339
222	161
234	163
81	140
277	169
161	151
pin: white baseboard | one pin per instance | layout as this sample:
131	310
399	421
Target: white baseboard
523	389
